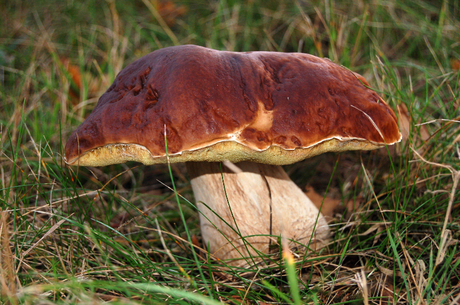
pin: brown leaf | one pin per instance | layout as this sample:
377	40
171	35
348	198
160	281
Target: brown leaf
387	294
76	84
73	70
238	299
75	75
405	123
195	241
169	11
329	207
455	64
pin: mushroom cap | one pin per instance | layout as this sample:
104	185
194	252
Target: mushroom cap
267	107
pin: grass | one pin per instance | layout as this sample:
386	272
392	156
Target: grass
93	235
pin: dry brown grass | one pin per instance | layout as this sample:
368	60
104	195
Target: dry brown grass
76	235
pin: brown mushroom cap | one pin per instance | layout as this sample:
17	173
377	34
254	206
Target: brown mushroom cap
268	107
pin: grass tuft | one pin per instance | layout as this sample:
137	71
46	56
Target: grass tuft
128	234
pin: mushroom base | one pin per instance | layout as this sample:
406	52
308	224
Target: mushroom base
263	204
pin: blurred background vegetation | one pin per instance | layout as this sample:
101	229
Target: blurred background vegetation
115	234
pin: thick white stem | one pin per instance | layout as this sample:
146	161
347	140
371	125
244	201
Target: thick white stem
263	204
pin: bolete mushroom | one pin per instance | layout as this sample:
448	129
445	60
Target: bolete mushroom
258	110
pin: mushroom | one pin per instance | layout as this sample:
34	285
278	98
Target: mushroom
254	112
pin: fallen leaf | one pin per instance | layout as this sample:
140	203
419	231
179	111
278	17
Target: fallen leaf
75	75
455	64
238	299
405	123
195	241
387	294
328	208
331	207
76	86
169	11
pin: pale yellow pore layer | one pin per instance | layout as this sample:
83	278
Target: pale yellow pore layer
221	151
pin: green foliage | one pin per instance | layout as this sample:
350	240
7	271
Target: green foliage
126	233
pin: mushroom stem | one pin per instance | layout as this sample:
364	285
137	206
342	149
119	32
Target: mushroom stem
263	204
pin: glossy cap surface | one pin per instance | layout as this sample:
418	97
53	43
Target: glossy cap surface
268	107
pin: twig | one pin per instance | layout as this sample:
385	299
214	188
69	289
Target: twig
437	120
455	178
